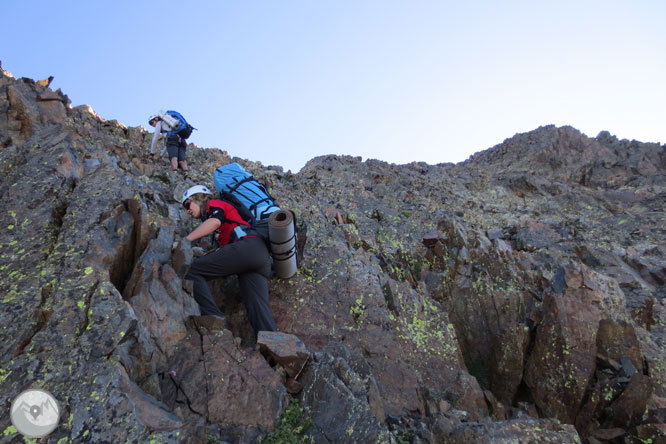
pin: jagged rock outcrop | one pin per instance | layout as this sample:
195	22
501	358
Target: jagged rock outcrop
517	296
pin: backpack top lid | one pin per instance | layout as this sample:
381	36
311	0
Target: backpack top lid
232	170
234	179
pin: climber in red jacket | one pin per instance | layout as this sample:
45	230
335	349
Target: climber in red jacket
240	252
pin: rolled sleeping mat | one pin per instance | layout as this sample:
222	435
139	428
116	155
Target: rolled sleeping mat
283	242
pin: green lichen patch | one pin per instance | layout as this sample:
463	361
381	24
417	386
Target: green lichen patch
293	426
11	430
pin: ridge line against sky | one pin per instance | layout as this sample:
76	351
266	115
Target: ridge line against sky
283	82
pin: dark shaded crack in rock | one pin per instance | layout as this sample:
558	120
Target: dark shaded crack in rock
498	316
103	216
401	266
390	300
47	290
86	321
135	209
58	217
188	401
532	342
524	396
588	394
6	142
125	261
203	358
128	334
42	318
388	268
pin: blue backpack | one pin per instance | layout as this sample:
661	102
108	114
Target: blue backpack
184	130
232	181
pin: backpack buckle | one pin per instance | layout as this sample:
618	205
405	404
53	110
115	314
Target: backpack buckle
239	233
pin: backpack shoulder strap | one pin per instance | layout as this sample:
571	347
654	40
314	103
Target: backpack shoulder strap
243	211
225	218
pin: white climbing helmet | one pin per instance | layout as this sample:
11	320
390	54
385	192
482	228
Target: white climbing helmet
196	189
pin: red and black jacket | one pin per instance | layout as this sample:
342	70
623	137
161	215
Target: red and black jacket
230	219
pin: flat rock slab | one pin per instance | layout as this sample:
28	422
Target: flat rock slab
284	349
211	323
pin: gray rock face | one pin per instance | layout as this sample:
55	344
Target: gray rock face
339	399
477	302
522	431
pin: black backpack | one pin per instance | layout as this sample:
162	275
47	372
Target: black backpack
257	226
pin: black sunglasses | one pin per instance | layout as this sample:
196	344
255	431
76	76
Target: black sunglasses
187	204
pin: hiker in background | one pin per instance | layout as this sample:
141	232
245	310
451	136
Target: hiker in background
177	130
240	252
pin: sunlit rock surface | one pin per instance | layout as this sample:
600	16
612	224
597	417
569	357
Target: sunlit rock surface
515	297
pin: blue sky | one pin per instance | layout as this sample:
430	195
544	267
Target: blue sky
281	82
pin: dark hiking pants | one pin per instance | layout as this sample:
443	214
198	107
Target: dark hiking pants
250	260
176	147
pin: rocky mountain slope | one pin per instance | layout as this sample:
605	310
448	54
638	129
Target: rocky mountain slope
515	297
